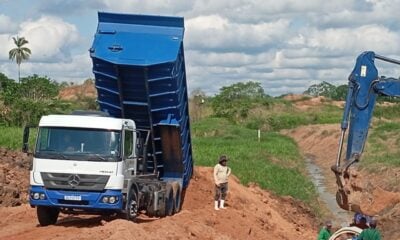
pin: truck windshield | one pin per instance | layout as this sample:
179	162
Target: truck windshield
78	144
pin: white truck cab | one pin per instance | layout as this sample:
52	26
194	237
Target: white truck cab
73	144
82	162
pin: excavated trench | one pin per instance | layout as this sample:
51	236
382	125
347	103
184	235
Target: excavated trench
342	217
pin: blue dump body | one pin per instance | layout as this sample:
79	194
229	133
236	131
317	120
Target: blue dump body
139	67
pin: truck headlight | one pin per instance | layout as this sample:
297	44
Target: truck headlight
42	196
36	196
112	199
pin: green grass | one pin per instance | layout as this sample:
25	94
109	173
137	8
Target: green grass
289	117
383	146
11	137
274	162
388	112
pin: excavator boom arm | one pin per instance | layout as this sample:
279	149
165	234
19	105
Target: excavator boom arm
364	86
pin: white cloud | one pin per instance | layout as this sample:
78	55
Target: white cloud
7	44
219	34
168	7
361	13
49	38
6	24
75	70
350	40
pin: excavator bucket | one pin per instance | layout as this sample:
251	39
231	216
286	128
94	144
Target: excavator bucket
356	193
343	194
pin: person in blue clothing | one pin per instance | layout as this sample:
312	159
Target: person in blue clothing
361	220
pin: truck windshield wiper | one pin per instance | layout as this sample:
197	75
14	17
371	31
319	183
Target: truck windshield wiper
95	157
53	152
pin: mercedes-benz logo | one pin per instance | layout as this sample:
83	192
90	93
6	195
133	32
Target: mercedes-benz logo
74	180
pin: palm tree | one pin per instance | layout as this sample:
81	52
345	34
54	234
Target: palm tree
20	53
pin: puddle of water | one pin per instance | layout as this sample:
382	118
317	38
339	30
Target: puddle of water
342	217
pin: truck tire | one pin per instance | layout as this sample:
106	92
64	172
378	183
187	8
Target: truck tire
177	197
169	201
47	215
132	206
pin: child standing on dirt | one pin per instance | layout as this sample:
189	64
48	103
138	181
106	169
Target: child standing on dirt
221	175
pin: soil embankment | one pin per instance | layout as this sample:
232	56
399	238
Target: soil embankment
371	190
14	177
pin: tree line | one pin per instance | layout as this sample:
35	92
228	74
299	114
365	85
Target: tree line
236	100
327	90
24	103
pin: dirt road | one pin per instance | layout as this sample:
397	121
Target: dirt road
252	214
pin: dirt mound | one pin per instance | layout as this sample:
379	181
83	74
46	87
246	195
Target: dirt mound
73	93
295	97
14	177
304	102
252	214
370	190
369	197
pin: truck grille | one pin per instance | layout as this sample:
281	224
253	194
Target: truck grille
68	181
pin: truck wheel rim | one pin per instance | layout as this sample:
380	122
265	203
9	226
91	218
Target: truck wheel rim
133	208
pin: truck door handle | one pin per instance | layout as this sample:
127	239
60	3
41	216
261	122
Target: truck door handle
115	48
107	31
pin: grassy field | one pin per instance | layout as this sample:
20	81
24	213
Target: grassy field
273	162
383	145
285	116
11	137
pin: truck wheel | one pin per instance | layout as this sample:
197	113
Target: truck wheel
47	215
177	197
169	201
132	206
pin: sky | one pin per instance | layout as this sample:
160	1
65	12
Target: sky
286	45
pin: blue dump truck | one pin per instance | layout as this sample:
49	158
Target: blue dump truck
135	154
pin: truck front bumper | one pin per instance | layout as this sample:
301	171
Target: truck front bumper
107	199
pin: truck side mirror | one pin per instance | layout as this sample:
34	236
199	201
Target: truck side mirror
25	140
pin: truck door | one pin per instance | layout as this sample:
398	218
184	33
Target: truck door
129	153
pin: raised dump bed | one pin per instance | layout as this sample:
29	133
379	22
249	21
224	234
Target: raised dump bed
139	67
